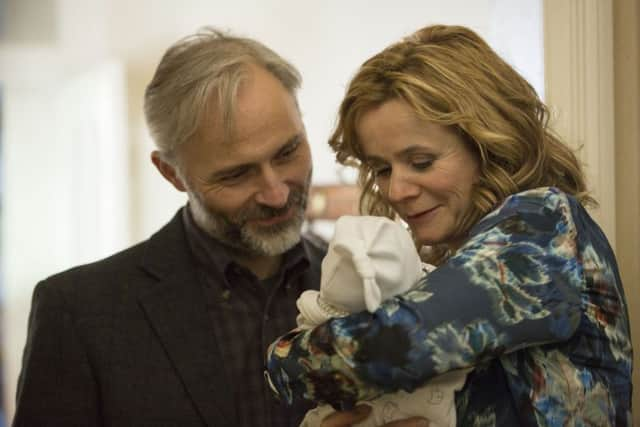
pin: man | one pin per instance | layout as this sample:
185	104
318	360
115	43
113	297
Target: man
173	331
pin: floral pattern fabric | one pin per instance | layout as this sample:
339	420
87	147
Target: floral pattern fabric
533	301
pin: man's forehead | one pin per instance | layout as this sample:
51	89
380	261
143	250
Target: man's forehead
260	105
222	155
251	135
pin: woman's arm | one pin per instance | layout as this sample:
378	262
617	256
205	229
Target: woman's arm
515	283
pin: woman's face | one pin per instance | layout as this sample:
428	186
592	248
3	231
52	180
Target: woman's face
424	170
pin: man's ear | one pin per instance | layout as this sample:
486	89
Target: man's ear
168	171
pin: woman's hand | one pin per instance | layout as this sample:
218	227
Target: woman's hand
409	422
360	413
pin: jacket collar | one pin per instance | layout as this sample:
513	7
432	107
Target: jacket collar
175	308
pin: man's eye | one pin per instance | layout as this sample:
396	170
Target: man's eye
288	151
233	176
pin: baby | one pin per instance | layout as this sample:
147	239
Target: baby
369	260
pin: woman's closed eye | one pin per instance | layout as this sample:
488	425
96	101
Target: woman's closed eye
421	164
382	171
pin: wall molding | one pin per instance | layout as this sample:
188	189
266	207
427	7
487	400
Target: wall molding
626	21
578	43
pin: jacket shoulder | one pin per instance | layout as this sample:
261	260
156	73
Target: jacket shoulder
124	270
85	288
116	263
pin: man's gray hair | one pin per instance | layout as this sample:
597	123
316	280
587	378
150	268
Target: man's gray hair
198	69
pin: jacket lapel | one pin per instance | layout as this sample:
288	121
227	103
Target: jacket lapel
176	310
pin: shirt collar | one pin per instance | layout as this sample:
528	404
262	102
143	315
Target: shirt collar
214	256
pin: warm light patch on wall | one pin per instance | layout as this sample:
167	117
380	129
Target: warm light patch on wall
329	202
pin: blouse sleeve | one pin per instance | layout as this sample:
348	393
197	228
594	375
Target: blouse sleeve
515	283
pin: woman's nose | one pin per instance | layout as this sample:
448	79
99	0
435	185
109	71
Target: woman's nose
400	188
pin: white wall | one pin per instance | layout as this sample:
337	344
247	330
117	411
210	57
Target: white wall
65	195
104	52
327	41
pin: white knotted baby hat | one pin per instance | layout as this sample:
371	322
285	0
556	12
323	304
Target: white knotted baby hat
369	259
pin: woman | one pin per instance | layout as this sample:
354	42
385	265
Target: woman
451	139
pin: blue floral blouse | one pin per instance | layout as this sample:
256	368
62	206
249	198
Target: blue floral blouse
533	301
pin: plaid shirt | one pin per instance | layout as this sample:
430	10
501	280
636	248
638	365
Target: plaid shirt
247	315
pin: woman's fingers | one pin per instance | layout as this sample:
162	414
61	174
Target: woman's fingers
409	422
360	413
347	418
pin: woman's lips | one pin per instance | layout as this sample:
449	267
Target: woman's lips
423	216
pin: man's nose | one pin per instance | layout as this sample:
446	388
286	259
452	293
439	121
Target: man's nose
273	192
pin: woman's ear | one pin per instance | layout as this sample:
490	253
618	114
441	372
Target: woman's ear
168	171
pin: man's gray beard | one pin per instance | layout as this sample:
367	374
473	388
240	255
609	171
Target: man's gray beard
254	240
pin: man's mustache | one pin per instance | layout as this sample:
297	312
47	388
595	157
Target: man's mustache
297	198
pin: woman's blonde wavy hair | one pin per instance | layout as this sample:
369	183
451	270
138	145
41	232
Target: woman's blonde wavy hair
449	75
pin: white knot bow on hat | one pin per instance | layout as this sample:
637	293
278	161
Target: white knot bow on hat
369	259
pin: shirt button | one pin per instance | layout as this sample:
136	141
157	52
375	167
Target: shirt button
266	317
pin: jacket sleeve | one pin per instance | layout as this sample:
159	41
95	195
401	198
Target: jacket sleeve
515	283
56	386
